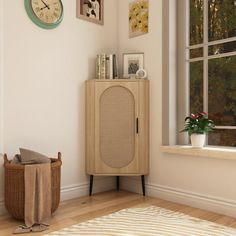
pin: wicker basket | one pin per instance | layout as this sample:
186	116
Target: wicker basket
15	187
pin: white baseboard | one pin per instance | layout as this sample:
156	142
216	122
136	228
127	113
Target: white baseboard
101	184
202	201
74	191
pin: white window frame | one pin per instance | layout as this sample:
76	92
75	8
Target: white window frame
183	12
175	86
169	65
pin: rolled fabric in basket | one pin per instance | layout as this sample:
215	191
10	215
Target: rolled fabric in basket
27	156
31	157
16	159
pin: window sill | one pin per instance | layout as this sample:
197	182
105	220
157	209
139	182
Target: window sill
211	152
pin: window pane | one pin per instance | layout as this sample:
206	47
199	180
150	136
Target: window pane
222	91
196	22
222	19
194	53
224	137
196	87
222	48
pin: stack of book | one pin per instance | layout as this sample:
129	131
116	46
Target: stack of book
106	66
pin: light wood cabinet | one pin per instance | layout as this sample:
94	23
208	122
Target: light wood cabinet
117	128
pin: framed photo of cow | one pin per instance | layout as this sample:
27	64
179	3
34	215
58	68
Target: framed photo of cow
91	10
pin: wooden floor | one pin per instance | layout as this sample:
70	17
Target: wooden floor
85	208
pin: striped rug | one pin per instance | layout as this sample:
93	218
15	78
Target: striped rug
149	221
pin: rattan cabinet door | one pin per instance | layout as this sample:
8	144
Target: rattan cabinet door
116	140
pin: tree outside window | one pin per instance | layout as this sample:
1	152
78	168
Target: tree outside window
211	59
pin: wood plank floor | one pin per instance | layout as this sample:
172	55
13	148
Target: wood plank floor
85	208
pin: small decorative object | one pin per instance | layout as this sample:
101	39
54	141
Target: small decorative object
90	10
197	126
138	18
132	62
141	74
46	14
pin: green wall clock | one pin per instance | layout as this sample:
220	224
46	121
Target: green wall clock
47	14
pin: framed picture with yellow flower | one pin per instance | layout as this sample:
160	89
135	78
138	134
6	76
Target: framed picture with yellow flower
138	17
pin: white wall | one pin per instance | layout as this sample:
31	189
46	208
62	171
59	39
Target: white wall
200	182
44	74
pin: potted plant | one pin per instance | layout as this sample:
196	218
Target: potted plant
197	126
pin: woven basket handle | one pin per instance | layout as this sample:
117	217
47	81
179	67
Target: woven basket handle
5	159
59	156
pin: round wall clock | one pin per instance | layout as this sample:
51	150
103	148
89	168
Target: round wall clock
47	14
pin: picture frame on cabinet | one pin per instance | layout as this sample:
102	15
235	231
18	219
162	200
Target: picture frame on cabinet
132	62
90	10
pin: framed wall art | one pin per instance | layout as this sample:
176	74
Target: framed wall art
138	18
91	10
132	62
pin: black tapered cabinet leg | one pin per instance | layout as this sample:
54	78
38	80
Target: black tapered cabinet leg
117	183
91	185
143	184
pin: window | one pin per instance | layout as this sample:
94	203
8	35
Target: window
209	67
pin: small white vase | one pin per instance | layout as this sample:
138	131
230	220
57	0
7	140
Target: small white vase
198	140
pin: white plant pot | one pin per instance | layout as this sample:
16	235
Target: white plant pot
198	140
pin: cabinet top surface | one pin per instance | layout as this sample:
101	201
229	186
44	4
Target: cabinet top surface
117	80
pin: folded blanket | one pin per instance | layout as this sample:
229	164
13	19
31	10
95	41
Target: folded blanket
27	156
31	157
37	198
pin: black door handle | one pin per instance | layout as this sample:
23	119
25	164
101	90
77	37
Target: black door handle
137	125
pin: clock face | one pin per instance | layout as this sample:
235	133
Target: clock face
48	11
45	13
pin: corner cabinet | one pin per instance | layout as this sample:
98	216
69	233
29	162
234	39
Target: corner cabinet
117	128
